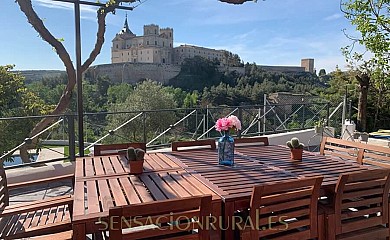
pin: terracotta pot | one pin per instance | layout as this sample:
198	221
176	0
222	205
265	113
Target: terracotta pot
296	154
136	167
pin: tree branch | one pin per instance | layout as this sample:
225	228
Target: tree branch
32	17
101	16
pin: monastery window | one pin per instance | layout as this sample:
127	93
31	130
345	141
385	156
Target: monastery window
156	51
170	45
117	46
170	34
155	42
155	31
147	43
182	50
163	43
147	52
141	52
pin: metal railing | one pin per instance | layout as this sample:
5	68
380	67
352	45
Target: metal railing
158	128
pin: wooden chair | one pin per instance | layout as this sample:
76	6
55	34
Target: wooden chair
375	155
283	210
355	151
252	140
108	149
344	149
36	217
206	142
166	219
360	206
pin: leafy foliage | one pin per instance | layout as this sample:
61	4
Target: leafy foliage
147	95
371	67
16	100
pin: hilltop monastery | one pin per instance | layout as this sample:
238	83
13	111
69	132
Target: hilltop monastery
153	56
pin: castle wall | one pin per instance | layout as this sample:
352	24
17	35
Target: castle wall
281	68
134	72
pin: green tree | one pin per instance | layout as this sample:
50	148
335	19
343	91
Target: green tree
371	18
147	95
322	72
16	100
118	93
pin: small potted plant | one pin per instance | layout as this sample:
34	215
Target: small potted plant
136	160
296	148
319	126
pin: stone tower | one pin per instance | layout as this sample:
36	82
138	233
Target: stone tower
308	64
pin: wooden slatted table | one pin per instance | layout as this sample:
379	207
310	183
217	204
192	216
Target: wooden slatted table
95	166
255	165
312	164
95	195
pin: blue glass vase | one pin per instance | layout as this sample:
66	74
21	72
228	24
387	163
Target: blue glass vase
226	149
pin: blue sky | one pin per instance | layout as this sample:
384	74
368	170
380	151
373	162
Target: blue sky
267	32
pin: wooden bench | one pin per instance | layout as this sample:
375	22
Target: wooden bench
359	152
202	143
109	149
35	218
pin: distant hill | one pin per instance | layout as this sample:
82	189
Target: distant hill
36	75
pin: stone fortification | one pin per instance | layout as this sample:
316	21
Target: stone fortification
282	68
134	72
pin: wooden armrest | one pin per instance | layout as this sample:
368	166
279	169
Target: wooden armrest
37	205
61	235
40	181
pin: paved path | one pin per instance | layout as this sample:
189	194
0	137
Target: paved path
52	153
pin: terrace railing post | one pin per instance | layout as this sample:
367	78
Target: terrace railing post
144	125
204	124
327	113
71	137
207	119
303	116
239	117
264	113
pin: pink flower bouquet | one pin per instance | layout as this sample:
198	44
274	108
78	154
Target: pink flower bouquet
228	124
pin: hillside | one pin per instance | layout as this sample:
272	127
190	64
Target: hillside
37	75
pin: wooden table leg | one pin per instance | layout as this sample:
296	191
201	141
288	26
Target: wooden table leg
79	232
228	229
216	220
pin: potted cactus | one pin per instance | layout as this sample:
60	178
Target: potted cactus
136	160
296	148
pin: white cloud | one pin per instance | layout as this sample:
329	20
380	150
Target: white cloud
65	6
333	17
